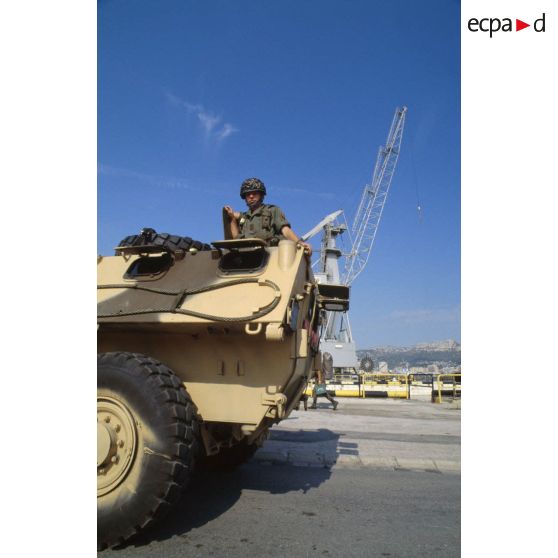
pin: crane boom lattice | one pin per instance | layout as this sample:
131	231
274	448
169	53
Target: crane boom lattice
337	338
369	213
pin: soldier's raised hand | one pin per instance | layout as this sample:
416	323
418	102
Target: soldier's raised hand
230	212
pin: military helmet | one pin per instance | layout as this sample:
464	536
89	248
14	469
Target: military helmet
252	185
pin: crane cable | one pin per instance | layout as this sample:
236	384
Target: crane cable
414	169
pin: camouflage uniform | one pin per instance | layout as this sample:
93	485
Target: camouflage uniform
265	222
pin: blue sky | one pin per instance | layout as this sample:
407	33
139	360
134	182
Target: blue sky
193	97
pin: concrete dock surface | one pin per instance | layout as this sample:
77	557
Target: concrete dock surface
377	478
375	433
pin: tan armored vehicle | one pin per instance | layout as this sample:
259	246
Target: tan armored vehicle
201	350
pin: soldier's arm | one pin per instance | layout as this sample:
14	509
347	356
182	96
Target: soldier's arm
235	230
284	227
289	234
233	217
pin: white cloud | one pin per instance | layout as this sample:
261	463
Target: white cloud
226	131
210	122
149	179
173	99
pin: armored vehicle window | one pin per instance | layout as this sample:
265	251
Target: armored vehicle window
149	266
243	261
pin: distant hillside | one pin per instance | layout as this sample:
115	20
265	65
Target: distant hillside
418	355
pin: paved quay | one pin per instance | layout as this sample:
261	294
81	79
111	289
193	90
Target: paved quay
377	478
369	433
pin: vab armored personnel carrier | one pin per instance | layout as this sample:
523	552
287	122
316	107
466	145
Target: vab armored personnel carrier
201	350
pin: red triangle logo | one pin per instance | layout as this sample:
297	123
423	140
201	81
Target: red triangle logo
519	25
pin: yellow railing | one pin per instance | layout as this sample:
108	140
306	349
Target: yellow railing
456	386
396	385
420	378
393	380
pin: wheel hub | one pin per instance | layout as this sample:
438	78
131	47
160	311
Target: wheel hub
106	443
116	443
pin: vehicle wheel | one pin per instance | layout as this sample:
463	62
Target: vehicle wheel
147	443
173	242
170	242
228	458
132	240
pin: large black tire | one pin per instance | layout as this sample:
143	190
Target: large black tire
132	240
170	242
148	444
228	458
174	242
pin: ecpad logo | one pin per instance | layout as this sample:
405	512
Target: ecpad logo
494	24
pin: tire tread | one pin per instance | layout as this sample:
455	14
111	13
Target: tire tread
173	473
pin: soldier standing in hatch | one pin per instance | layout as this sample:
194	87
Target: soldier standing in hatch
263	221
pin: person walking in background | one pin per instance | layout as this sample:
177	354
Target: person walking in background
304	399
320	388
